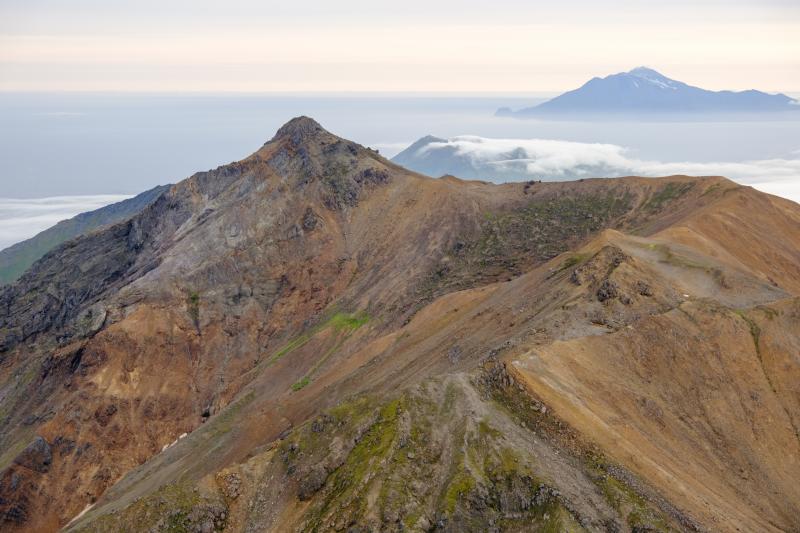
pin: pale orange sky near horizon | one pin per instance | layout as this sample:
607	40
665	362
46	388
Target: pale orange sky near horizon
355	46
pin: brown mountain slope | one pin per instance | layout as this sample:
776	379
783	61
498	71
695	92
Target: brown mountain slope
315	276
749	230
687	399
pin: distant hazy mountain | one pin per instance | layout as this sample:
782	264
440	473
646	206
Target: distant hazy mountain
16	259
643	90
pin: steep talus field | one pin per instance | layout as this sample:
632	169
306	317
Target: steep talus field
317	339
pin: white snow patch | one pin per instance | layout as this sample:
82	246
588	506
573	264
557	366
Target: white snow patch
661	83
173	443
77	516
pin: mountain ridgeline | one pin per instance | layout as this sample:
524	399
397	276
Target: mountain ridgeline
16	259
317	339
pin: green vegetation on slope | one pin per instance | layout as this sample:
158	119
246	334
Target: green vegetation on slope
421	460
175	508
338	321
300	384
193	308
342	324
670	192
416	460
513	241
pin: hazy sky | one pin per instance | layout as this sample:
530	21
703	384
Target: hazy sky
421	46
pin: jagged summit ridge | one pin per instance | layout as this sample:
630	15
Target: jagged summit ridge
298	129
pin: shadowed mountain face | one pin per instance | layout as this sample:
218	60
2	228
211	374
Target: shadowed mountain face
317	339
643	90
16	259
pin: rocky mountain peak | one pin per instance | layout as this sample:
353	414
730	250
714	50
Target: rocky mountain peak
299	129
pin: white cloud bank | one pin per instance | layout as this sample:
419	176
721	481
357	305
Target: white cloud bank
510	159
21	219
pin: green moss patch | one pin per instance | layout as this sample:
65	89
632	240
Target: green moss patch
343	324
300	384
193	308
666	195
340	322
421	459
511	242
175	508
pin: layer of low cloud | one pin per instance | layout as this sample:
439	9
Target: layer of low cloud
21	219
492	159
516	159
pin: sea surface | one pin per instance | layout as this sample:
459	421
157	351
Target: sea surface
77	143
83	144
